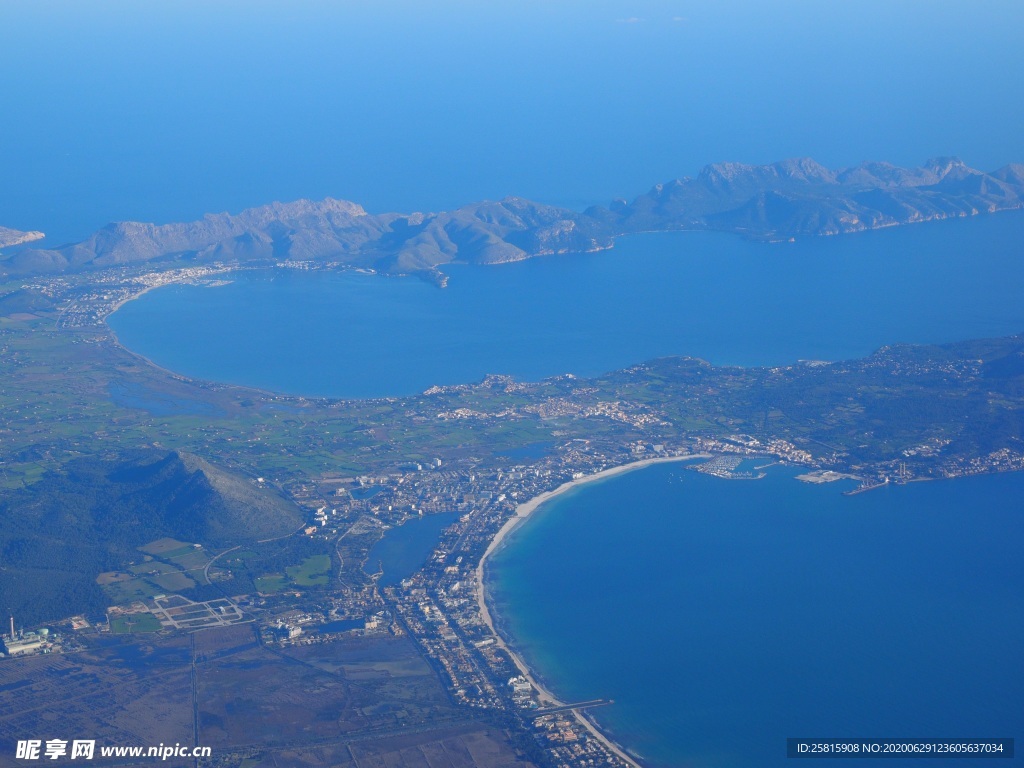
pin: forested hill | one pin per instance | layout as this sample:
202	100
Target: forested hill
92	514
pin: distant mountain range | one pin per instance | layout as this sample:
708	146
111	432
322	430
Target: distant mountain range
780	201
801	197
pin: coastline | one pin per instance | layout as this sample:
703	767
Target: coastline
213	384
176	280
522	513
208	384
116	342
105	318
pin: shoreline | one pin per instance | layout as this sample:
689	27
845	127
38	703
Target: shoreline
105	320
208	384
116	342
522	513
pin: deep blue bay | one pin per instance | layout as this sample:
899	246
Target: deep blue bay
704	294
724	616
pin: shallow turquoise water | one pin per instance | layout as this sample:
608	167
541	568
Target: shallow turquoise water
725	616
709	295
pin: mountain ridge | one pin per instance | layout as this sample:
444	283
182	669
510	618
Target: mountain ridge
95	511
778	201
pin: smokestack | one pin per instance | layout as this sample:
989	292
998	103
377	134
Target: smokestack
12	627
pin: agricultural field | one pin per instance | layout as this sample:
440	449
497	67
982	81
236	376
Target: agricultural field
258	697
468	746
168	566
165	547
123	588
122	690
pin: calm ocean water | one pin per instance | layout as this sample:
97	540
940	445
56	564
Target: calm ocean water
708	295
164	111
724	616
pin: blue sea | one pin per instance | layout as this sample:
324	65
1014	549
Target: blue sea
704	294
722	617
164	111
725	616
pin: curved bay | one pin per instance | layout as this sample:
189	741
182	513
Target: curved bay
708	295
725	616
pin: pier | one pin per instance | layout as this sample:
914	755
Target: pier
569	707
866	486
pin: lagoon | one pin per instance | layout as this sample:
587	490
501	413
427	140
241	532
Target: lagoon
404	549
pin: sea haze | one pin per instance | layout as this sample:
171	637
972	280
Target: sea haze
725	616
709	295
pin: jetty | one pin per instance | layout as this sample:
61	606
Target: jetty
569	707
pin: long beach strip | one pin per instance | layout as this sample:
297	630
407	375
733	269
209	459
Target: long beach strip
523	511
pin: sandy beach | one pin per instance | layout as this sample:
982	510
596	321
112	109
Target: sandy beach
523	511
